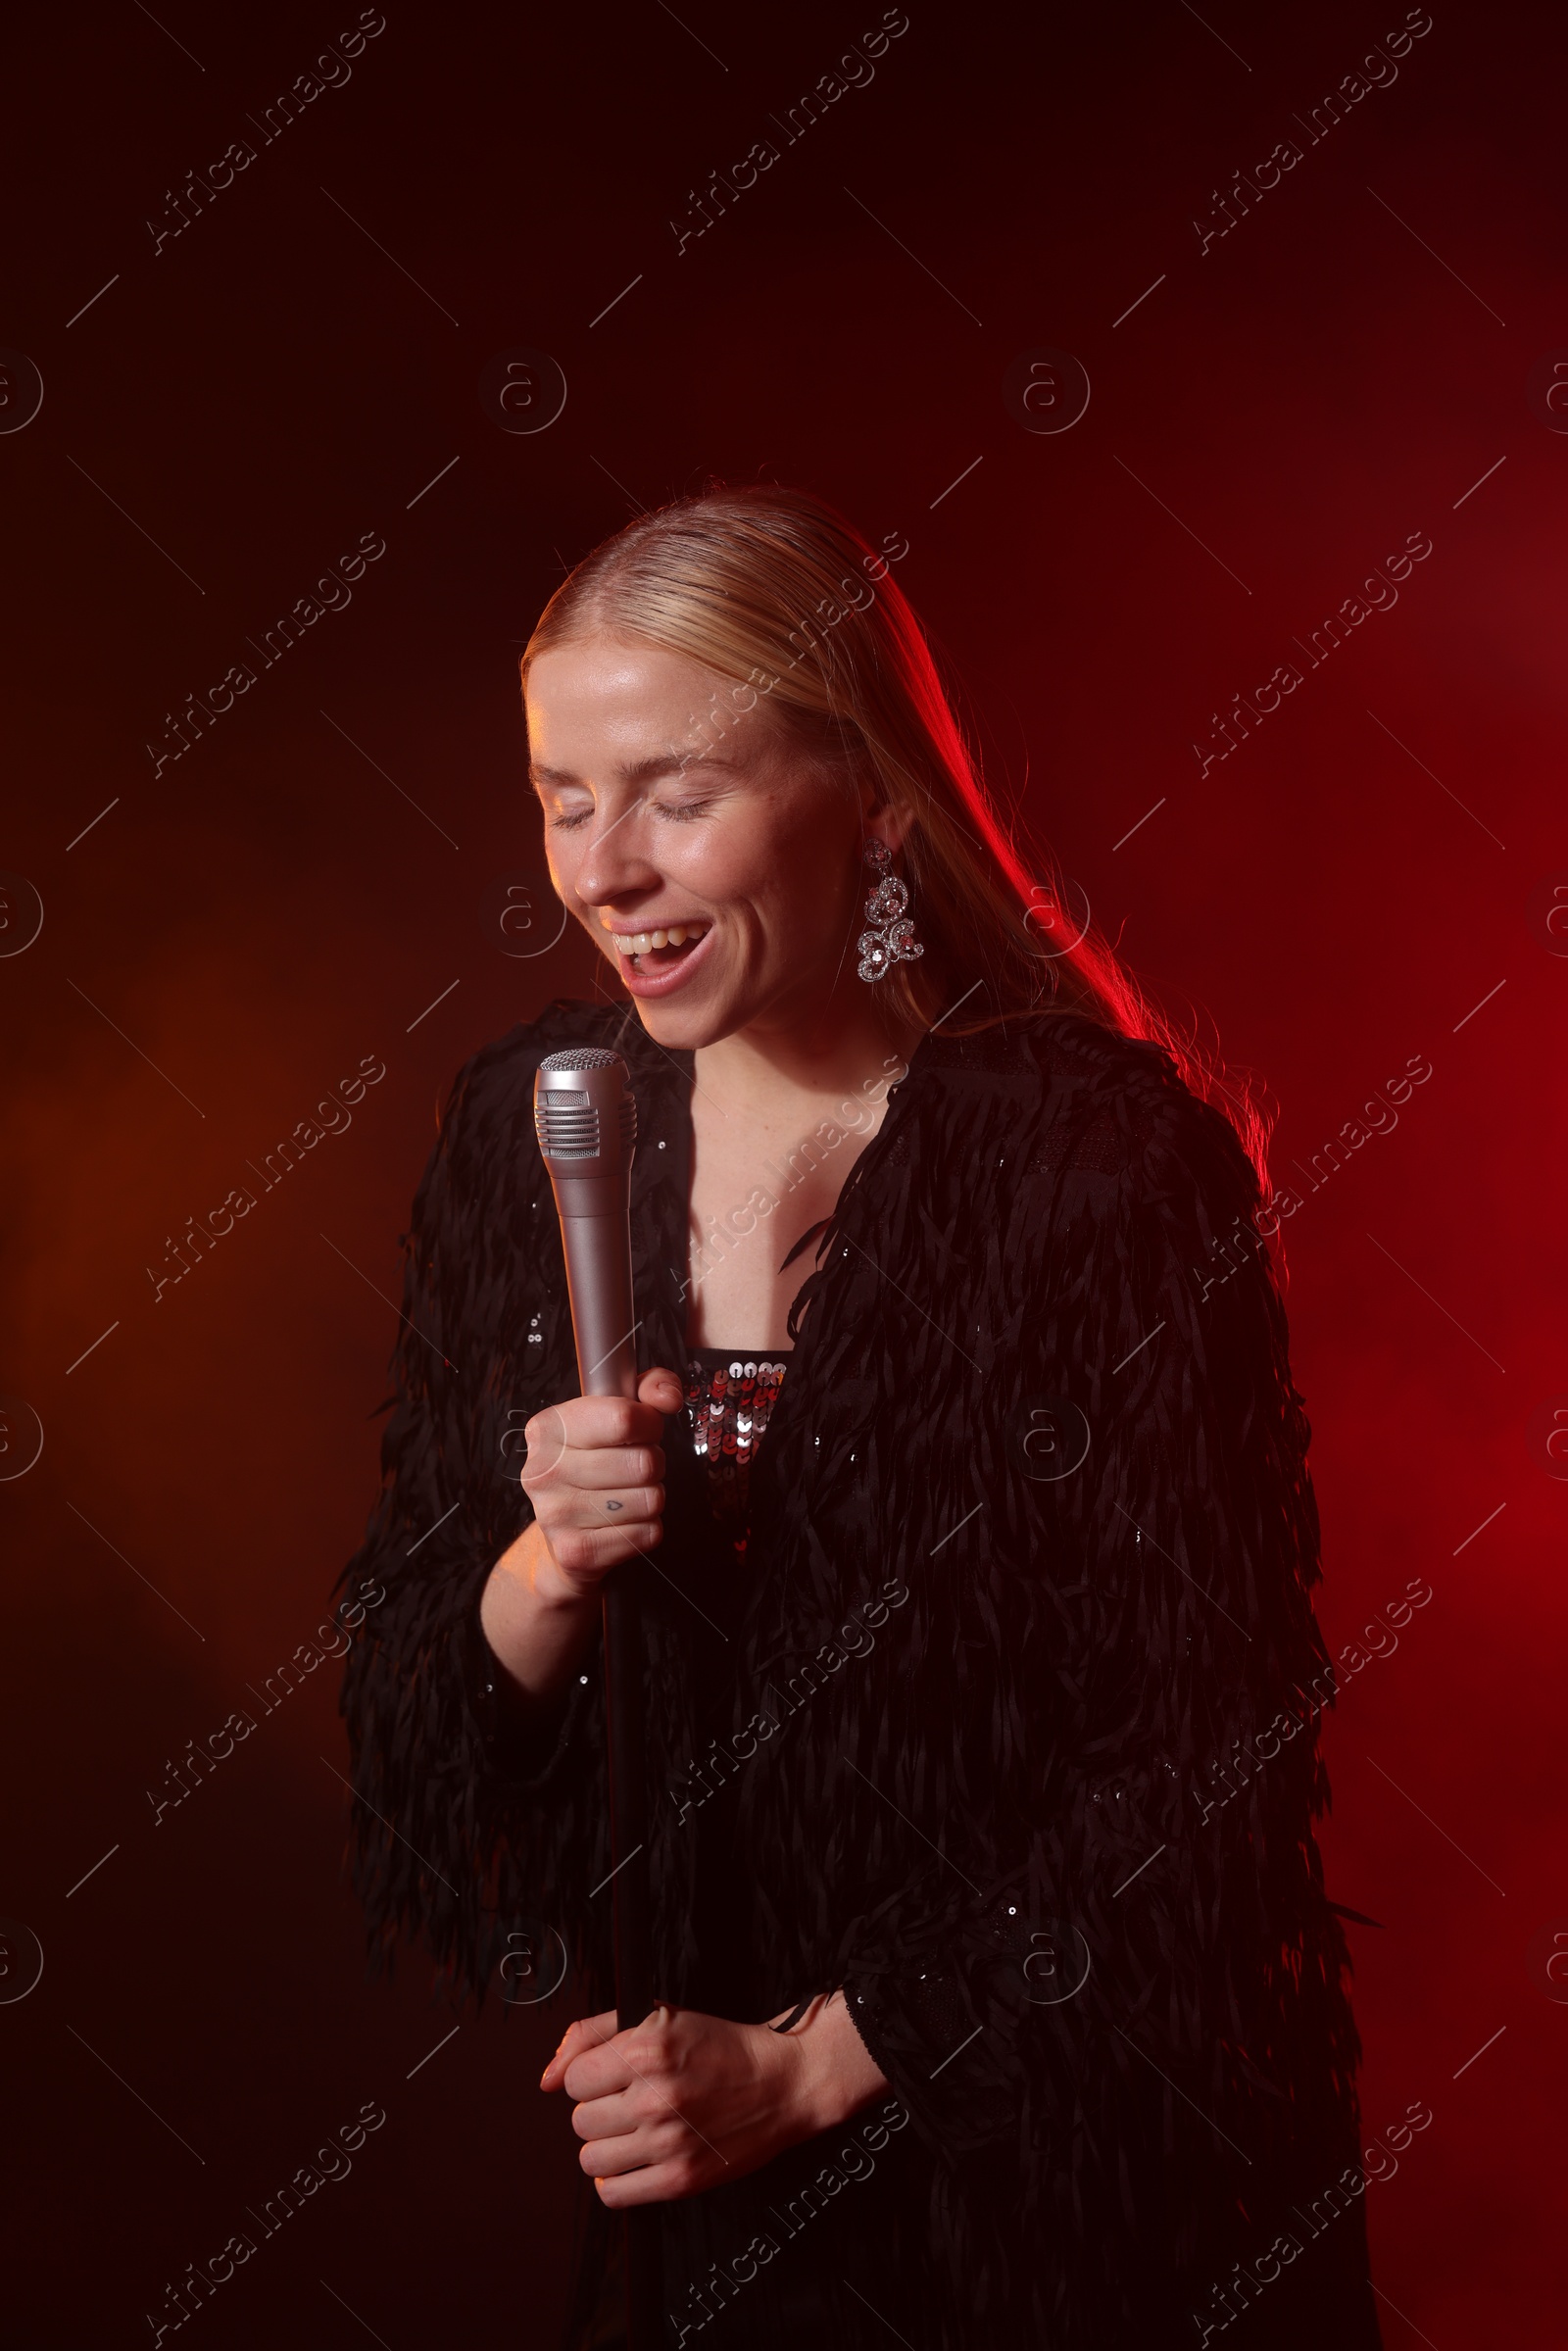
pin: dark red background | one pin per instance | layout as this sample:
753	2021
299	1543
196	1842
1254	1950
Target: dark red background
1306	394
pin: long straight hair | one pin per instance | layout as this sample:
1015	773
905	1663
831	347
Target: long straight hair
804	629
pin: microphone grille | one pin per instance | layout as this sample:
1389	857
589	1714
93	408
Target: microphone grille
581	1057
569	1122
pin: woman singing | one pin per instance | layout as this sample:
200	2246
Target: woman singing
1001	2005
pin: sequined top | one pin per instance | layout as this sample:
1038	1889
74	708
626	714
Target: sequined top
730	1398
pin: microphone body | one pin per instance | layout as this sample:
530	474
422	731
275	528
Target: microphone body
585	1118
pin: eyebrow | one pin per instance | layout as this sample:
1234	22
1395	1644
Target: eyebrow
635	772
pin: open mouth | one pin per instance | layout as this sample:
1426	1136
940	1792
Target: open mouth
653	951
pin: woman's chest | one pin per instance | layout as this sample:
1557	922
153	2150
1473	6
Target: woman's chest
756	1203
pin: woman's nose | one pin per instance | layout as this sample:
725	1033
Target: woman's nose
614	860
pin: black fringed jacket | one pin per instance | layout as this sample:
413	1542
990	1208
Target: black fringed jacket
1041	1389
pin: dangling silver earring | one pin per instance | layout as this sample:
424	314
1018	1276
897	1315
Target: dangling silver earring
890	939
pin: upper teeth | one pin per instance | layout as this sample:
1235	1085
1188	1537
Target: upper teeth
638	943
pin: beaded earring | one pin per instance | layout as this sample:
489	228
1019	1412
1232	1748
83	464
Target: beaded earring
890	938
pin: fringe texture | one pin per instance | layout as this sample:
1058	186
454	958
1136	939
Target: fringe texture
1115	2004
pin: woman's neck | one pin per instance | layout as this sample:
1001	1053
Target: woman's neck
775	1132
772	1077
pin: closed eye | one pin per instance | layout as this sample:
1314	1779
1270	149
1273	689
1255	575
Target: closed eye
678	811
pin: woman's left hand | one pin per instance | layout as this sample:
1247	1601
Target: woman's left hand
683	2101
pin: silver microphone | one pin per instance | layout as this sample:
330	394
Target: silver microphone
585	1117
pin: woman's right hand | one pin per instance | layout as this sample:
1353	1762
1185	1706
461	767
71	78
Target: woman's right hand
594	1475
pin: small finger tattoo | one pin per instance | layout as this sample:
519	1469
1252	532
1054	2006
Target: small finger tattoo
612	1505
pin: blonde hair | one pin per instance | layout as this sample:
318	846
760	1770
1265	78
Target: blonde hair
778	595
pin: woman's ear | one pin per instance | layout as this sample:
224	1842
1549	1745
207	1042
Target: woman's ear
889	821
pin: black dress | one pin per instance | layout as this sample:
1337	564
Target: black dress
852	2262
1020	1750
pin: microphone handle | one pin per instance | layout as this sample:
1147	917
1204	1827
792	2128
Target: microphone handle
641	2251
596	1242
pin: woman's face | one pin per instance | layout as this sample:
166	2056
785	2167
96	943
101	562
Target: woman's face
657	820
